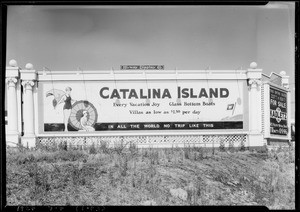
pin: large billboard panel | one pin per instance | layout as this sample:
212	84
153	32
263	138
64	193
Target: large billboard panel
141	105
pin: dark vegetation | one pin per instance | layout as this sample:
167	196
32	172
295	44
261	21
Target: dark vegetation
98	175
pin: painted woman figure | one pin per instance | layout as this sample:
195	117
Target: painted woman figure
67	106
83	122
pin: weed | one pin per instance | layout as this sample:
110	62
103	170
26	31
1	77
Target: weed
41	182
124	166
133	148
231	146
43	177
132	181
199	150
222	146
71	155
93	149
20	147
167	154
104	147
154	157
242	146
279	149
198	188
187	152
63	146
111	178
119	147
191	195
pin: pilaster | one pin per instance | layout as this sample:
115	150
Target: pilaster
28	78
12	79
255	136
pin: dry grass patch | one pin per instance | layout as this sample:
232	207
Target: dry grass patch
121	175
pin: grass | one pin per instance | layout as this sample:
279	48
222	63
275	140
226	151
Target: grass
131	176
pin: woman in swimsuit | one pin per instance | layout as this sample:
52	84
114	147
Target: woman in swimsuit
83	122
67	106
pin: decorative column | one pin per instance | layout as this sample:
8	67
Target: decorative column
255	136
12	76
285	84
28	78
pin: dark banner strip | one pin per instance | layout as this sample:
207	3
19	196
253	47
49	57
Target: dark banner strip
142	67
153	126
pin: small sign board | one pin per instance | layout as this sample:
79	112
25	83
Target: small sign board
278	112
142	67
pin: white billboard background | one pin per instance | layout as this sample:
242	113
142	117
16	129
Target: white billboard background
160	110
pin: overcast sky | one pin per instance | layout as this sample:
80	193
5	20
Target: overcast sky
185	37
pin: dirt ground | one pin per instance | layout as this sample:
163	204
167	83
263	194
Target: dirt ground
131	176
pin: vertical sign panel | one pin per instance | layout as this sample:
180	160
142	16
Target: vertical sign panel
278	112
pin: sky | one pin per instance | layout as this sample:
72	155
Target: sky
182	37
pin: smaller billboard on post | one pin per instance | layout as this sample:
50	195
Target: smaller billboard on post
278	112
142	67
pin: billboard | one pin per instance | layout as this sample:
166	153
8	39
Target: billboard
278	112
141	105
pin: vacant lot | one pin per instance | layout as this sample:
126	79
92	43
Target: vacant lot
131	176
